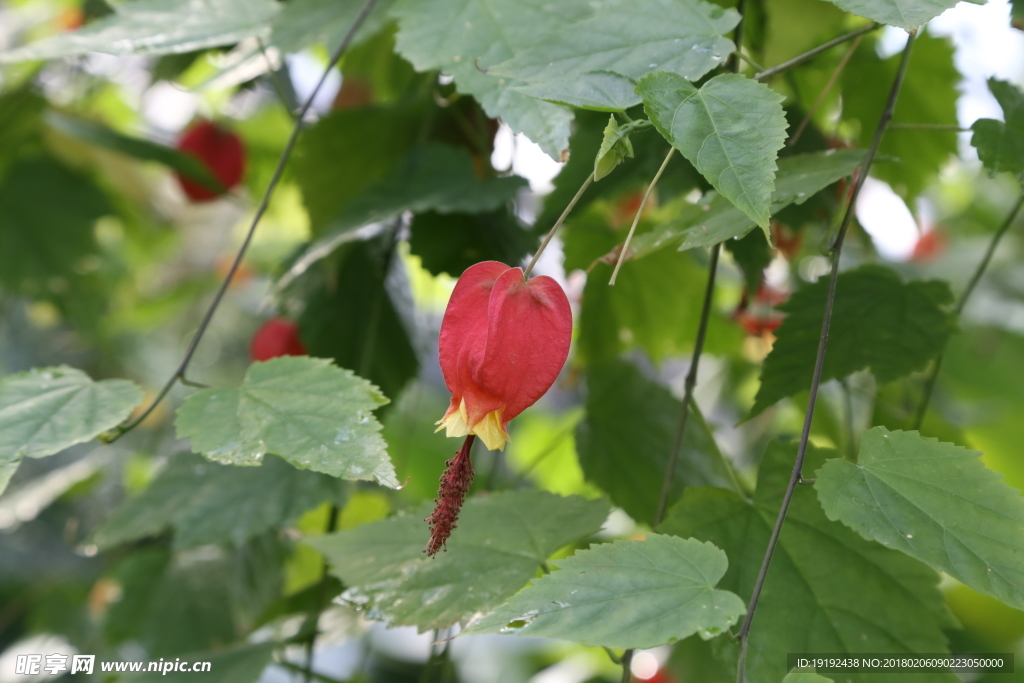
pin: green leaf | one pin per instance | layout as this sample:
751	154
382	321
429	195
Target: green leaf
45	410
630	594
311	413
238	664
138	148
828	590
1000	144
805	677
909	160
464	38
205	502
302	23
501	541
41	238
878	322
715	219
615	146
684	37
731	129
596	90
907	14
352	318
157	27
450	243
934	501
626	438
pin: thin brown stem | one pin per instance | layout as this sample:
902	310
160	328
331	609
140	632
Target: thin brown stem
814	52
933	375
260	210
557	225
639	212
795	476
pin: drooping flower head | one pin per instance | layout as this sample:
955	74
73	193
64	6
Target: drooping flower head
503	342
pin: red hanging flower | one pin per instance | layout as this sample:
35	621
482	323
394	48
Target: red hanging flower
503	342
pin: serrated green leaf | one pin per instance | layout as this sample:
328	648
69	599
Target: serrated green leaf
685	37
302	23
828	589
907	14
595	90
40	238
311	413
909	160
630	594
878	322
1000	144
731	129
464	38
615	146
204	502
626	438
715	219
157	27
46	410
501	541
934	501
238	664
138	148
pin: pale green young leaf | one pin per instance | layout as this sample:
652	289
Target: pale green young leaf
45	410
615	146
907	14
204	502
501	541
156	27
828	590
630	594
878	322
1000	144
464	38
934	501
685	37
306	410
715	219
730	129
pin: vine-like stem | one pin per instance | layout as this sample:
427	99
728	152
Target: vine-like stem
261	209
933	375
688	387
795	477
557	225
814	52
639	212
824	91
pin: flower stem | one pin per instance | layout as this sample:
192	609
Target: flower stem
639	212
795	476
814	52
557	225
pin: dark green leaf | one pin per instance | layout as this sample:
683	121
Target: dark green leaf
907	14
626	438
352	318
464	38
934	501
878	322
731	129
205	502
630	594
501	541
46	410
450	243
138	148
156	27
311	413
714	219
828	589
908	159
1000	144
41	238
685	37
805	677
752	254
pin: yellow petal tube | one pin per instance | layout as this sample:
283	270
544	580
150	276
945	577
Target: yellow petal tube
456	423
